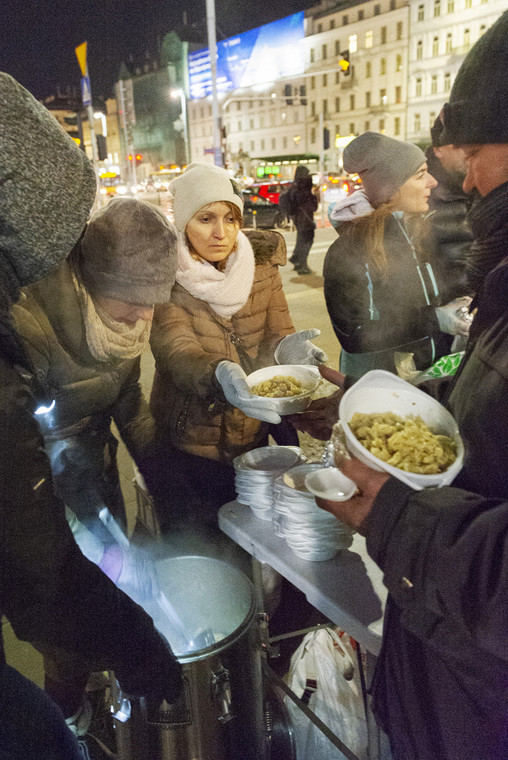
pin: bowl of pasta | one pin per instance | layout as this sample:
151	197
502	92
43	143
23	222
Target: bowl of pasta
390	425
290	386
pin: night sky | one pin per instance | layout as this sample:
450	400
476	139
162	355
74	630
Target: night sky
38	37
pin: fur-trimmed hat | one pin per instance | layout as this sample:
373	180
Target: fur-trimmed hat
383	163
129	252
199	185
477	113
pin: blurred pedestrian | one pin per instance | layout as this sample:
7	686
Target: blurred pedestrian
303	202
380	289
449	235
440	689
51	594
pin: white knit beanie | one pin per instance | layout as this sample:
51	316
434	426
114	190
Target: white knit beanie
198	186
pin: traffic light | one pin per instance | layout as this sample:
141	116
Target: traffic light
344	62
139	158
326	138
102	150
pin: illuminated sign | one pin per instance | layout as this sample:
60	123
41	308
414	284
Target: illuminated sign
265	54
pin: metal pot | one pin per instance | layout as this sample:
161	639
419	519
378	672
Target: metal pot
208	614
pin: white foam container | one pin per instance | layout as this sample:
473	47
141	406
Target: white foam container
307	374
380	391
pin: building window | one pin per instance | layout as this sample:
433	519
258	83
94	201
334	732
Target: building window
337	129
313	108
369	38
367	126
396	126
351	102
337	77
332	23
421	13
398	94
252	145
251	123
344	20
313	135
360	15
398	62
337	105
274	142
419	50
312	55
437	8
313	83
433	84
384	34
417	122
377	10
392	5
319	28
418	87
367	100
325	80
353	43
400	28
435	46
262	144
451	6
324	52
368	70
432	119
468	3
382	96
325	108
351	127
382	126
284	142
467	37
447	82
382	69
337	47
449	43
239	126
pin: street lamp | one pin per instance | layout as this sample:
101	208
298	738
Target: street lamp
102	118
183	103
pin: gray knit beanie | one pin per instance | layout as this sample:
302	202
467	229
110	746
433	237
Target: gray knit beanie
477	113
129	252
384	164
199	185
47	188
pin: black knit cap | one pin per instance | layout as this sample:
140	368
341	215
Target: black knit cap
478	109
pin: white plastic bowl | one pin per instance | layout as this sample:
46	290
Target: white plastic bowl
330	483
380	391
308	375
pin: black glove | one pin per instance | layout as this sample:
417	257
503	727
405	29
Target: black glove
156	674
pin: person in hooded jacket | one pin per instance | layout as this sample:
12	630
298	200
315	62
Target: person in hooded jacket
51	594
303	202
227	317
380	289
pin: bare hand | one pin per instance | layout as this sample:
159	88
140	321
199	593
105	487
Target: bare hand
354	511
321	415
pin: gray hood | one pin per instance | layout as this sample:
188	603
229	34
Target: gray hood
47	188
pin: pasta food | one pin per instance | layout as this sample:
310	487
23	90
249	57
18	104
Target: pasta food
404	442
279	386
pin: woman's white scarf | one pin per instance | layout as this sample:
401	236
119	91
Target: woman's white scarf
106	338
225	292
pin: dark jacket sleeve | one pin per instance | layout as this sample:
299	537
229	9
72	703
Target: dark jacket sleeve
444	553
49	591
133	418
361	320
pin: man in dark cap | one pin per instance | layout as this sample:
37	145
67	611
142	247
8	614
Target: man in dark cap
49	592
441	685
450	235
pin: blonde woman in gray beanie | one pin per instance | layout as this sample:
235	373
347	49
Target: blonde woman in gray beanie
227	316
84	327
380	289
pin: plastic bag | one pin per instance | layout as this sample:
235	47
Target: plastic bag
324	673
446	366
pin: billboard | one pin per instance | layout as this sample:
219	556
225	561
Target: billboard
265	54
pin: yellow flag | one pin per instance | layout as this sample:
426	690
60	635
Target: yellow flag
81	56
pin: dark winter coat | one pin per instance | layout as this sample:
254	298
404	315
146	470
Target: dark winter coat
303	202
375	316
87	394
449	233
441	685
188	341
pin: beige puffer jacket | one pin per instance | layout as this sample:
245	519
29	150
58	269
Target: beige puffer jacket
189	340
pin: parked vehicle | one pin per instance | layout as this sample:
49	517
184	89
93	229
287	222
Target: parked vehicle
260	212
270	190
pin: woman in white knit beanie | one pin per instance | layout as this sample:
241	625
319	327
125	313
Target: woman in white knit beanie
227	317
